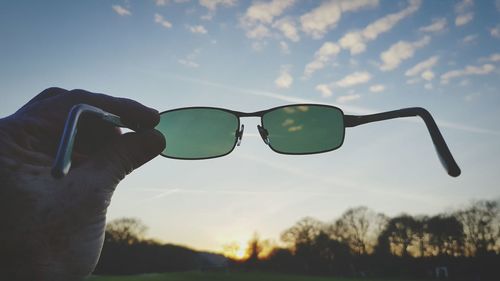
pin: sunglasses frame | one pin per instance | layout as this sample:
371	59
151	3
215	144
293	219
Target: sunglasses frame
62	162
262	128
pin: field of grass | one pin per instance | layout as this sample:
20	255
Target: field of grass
224	276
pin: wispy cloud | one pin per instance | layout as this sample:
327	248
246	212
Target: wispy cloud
464	19
424	69
377	88
324	89
161	21
120	10
285	79
200	29
495	31
284	48
326	16
494	57
464	15
212	5
354	79
469	38
161	2
348	98
467	71
355	41
259	22
436	26
401	51
287	28
327	51
189	60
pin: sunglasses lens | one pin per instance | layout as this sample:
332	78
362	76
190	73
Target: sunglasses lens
197	133
304	129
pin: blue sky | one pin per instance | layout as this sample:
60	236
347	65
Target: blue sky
362	55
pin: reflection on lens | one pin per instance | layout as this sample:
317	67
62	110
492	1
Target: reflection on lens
198	133
302	129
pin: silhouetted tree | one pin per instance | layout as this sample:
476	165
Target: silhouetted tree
359	227
125	231
303	232
481	226
446	236
401	232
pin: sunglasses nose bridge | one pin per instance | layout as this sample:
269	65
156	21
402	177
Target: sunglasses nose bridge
239	134
263	134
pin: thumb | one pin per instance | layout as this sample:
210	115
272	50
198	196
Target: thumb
127	153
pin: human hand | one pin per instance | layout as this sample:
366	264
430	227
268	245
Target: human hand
53	229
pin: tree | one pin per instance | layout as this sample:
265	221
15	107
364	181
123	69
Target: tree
359	227
446	236
481	226
303	232
400	233
125	231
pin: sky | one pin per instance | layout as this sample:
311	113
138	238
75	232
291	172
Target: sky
364	56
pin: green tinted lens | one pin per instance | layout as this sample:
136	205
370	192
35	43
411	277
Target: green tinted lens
194	133
301	129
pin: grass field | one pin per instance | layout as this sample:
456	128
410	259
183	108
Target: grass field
222	276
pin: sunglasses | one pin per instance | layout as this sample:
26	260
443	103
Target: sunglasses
194	133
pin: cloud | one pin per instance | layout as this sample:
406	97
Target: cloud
400	51
161	2
163	22
355	41
472	97
377	88
284	80
428	75
469	38
354	79
464	19
189	61
258	32
464	15
495	31
326	16
284	48
494	57
259	17
324	89
120	10
463	6
467	71
348	98
264	12
287	27
422	66
386	23
321	57
198	29
436	26
259	45
211	5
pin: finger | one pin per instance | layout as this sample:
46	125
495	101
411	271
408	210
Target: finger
126	153
132	113
45	94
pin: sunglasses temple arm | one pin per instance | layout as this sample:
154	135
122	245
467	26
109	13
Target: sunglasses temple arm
442	149
62	162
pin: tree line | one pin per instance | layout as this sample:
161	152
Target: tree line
459	245
464	244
